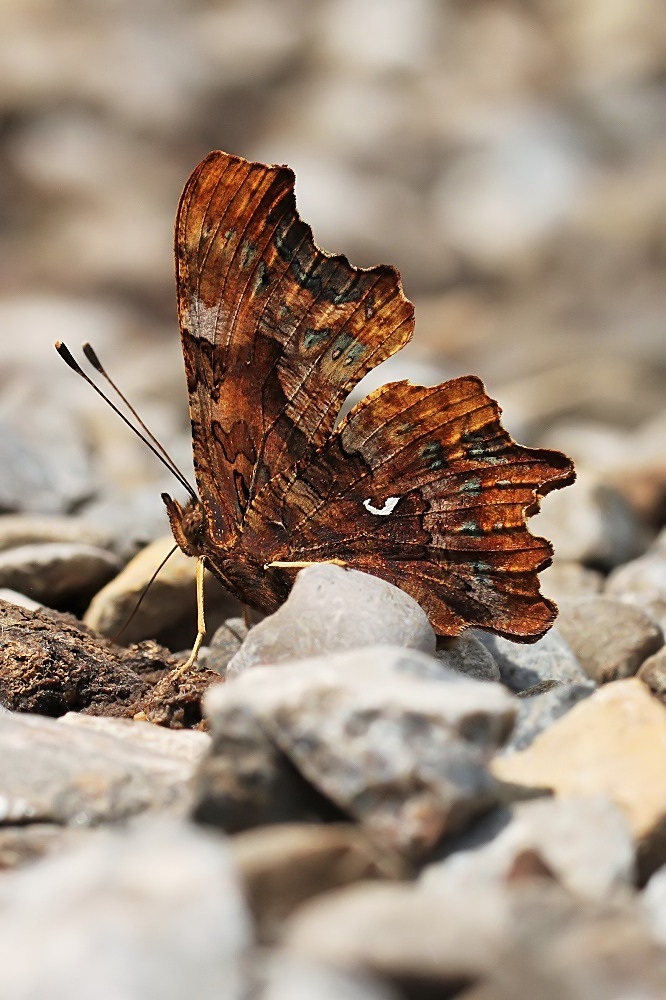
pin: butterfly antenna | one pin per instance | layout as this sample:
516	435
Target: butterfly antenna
145	590
147	438
98	366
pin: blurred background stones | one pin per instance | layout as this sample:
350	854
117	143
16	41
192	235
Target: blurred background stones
508	157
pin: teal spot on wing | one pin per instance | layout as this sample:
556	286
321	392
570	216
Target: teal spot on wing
471	487
261	279
313	338
433	456
471	528
248	252
345	343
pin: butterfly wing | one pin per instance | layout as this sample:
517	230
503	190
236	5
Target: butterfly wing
424	487
274	331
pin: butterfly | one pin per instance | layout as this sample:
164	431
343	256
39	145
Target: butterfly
419	486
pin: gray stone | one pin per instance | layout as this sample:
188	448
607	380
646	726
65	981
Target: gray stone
653	900
405	933
562	834
591	522
610	639
21	529
25	842
537	711
643	582
294	977
225	643
523	665
45	460
246	781
155	911
387	734
331	609
564	579
467	655
524	939
186	745
55	572
79	775
653	673
283	865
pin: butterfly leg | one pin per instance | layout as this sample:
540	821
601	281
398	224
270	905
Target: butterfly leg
201	623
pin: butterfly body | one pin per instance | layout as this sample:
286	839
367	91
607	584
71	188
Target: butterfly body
420	486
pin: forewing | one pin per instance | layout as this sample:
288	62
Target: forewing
423	487
275	332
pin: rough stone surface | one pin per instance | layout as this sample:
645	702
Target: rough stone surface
467	655
55	573
560	835
331	609
643	582
612	744
387	734
76	775
537	712
155	911
283	865
523	665
610	639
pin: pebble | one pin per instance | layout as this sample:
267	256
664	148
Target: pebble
538	711
643	582
653	673
387	734
591	522
288	976
225	643
612	743
523	665
283	865
562	580
562	835
467	655
14	597
153	911
57	573
45	461
20	529
520	940
168	610
80	776
610	639
330	609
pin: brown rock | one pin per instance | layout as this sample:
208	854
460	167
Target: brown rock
653	673
614	744
283	865
611	639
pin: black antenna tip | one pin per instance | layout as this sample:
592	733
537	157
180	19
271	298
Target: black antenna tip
92	358
67	356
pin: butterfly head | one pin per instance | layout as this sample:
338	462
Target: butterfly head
188	524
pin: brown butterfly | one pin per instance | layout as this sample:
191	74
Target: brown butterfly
420	486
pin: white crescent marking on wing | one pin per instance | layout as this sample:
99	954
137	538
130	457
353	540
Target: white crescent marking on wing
386	509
